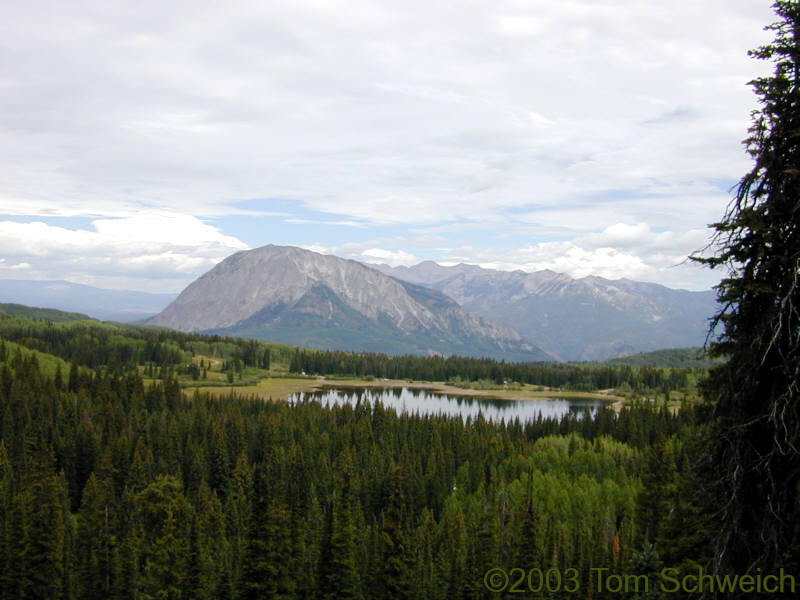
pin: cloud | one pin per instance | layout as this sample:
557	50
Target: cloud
316	222
164	250
639	238
539	122
566	257
621	251
394	259
414	115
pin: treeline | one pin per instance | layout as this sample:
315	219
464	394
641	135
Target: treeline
436	368
93	344
116	490
682	358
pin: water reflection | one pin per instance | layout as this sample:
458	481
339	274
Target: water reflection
426	402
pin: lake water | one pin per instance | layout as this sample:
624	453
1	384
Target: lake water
426	402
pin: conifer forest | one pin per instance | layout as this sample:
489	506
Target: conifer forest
119	485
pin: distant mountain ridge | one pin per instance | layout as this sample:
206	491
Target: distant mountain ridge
301	297
109	305
591	318
304	298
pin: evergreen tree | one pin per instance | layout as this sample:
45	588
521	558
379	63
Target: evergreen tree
73	383
339	572
194	584
42	553
753	456
530	555
657	492
266	566
95	540
238	511
58	380
452	550
10	537
397	568
162	520
126	560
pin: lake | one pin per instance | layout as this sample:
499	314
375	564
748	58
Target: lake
427	402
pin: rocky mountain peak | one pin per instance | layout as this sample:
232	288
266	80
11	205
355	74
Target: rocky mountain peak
261	292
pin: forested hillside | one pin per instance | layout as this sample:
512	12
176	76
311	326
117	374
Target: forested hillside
116	485
586	376
682	358
48	314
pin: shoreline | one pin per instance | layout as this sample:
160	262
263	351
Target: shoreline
498	394
279	388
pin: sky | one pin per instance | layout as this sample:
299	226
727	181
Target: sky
143	142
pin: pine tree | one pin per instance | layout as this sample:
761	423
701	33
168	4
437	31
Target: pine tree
42	553
194	584
452	549
266	568
339	572
95	540
58	380
73	383
161	521
9	529
238	509
657	492
396	556
529	553
754	458
126	560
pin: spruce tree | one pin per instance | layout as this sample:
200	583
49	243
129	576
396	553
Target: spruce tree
42	552
529	553
653	503
754	458
397	567
96	542
266	568
339	571
162	520
10	537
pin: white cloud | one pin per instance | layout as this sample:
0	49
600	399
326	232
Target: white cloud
566	257
658	258
620	251
379	112
394	259
639	238
165	250
549	120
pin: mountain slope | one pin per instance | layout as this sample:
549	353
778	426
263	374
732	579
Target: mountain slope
573	319
42	314
301	297
110	305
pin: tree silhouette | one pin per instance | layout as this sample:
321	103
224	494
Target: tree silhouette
754	459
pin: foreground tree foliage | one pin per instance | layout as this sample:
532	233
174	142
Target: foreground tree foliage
753	455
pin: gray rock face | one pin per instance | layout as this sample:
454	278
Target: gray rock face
591	318
284	293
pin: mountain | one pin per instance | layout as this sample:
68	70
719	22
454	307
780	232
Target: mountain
301	297
109	305
591	318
